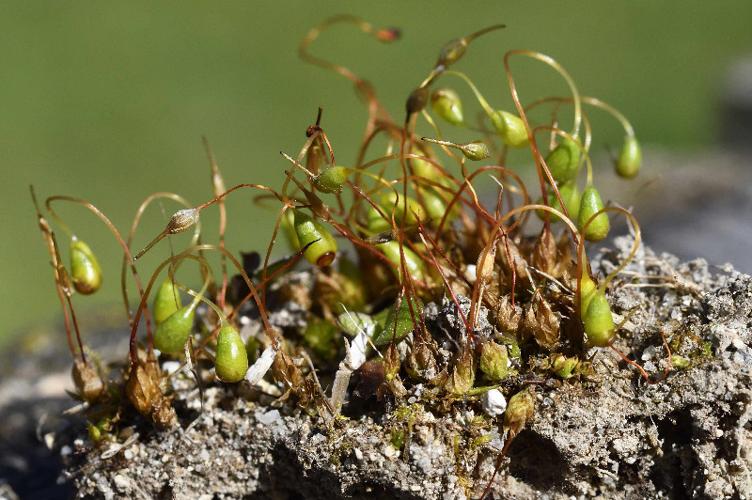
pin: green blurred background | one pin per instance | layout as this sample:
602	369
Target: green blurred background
108	101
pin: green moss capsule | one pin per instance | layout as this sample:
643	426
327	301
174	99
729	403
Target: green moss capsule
571	197
590	204
322	247
510	127
630	158
423	168
166	302
171	335
434	204
331	179
85	271
405	208
288	228
587	289
599	321
447	104
494	361
415	266
475	151
564	160
231	362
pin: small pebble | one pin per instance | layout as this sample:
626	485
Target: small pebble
358	454
268	417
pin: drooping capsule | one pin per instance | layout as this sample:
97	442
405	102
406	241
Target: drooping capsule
231	362
331	179
599	321
171	335
322	247
590	204
85	271
166	302
405	208
630	158
510	128
587	290
415	266
564	160
320	336
423	168
447	104
571	197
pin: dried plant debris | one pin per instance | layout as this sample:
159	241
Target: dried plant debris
406	313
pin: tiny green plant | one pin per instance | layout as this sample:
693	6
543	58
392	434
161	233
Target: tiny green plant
379	239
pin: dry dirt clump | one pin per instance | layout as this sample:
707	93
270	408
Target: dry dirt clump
606	433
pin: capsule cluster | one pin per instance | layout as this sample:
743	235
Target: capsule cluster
431	214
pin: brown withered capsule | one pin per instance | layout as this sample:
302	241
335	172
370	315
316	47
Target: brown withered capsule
463	375
542	322
182	220
87	381
417	100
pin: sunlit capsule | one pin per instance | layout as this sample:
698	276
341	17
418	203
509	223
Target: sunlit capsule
171	335
331	179
564	160
415	267
322	247
510	127
475	151
630	159
85	271
571	197
587	290
166	302
231	362
599	321
447	104
423	168
590	204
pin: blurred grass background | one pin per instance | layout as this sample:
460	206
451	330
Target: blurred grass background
108	101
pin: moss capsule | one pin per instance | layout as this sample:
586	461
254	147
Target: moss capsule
510	127
331	179
171	335
475	151
563	161
231	362
321	337
417	100
447	104
415	266
434	204
322	247
405	208
599	321
166	302
590	204
630	158
571	197
85	271
587	289
288	227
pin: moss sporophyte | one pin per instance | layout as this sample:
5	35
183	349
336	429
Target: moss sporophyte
376	248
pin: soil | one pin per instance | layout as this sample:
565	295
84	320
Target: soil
609	434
